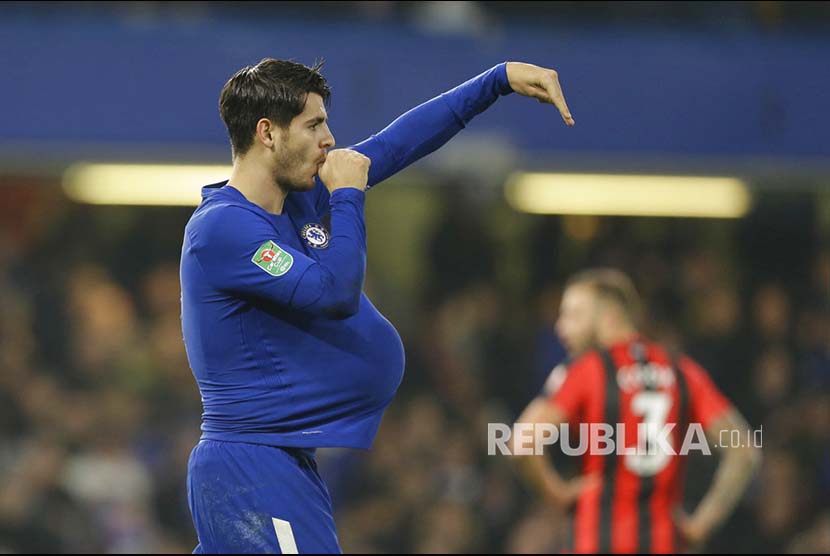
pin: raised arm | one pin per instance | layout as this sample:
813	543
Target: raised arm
429	126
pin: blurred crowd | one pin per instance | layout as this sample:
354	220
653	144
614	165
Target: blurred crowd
473	17
99	411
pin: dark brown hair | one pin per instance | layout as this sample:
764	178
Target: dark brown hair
273	89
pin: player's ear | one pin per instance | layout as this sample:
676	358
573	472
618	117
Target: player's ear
604	318
266	132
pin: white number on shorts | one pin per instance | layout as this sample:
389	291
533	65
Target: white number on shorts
285	536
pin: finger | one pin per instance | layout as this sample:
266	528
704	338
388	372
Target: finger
679	516
586	482
554	91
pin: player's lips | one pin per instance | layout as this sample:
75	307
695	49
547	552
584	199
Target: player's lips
319	164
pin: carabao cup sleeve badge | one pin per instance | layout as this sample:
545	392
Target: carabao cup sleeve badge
272	259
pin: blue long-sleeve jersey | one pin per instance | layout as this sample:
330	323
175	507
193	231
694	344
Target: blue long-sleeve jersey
286	348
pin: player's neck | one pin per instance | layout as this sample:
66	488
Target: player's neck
256	183
619	336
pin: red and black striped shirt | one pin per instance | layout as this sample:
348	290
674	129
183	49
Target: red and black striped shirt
635	382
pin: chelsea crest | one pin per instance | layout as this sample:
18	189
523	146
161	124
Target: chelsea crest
315	235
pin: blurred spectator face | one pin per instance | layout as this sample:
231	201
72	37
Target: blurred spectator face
103	319
772	311
721	311
578	318
161	290
773	376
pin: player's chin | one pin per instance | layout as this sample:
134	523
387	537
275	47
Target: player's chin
314	175
308	184
301	186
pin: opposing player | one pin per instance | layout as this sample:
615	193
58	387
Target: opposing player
631	502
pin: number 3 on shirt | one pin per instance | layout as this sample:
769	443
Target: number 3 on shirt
653	407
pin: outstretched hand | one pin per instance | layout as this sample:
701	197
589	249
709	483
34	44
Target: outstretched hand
539	83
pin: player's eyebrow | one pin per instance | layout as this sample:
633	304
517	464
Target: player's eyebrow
317	120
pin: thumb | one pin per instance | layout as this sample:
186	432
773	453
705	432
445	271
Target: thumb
587	482
680	517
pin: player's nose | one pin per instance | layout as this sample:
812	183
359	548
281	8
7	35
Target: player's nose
328	142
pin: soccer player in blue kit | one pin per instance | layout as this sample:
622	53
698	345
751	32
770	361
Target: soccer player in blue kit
288	352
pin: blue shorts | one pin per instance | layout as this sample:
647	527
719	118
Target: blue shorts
252	498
